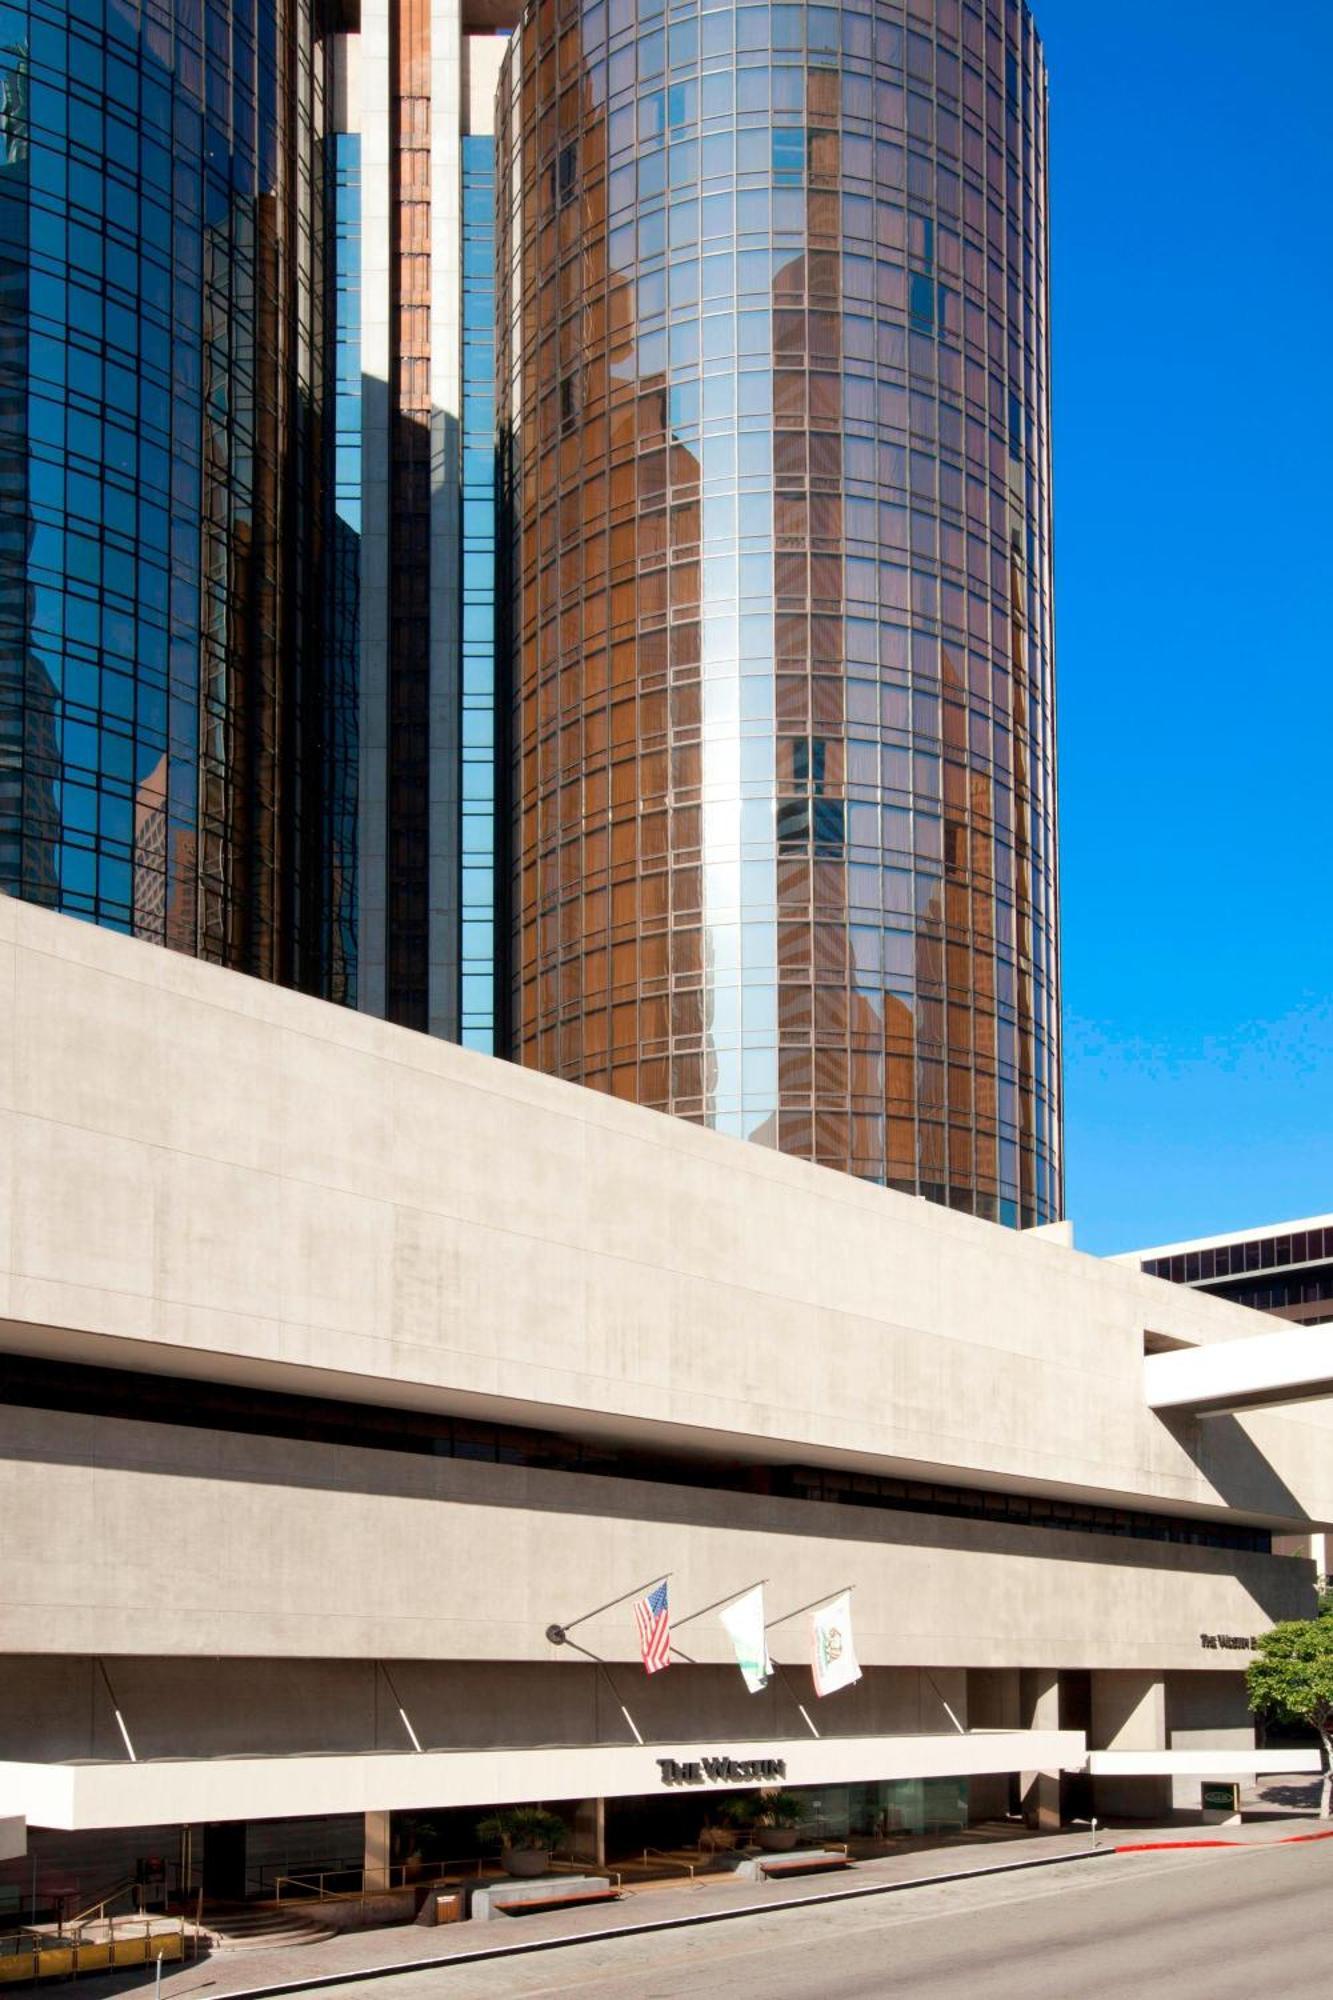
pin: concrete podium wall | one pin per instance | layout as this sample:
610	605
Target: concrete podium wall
201	1172
126	1539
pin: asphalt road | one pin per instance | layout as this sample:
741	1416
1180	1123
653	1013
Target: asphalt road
1225	1925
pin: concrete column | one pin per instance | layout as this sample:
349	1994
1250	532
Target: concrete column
1129	1713
1039	1703
587	1831
1206	1711
376	1850
992	1703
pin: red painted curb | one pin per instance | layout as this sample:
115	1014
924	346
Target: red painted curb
1170	1846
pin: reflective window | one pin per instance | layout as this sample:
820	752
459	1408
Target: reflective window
777	548
477	859
163	731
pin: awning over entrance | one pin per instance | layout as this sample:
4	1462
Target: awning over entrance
81	1796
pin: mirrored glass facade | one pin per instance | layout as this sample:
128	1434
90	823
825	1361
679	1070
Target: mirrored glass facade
774	423
477	733
162	286
342	562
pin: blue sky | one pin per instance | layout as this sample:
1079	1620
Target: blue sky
1192	152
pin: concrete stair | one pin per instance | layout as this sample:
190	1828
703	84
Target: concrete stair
262	1928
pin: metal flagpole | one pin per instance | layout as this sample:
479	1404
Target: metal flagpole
843	1590
787	1616
556	1633
717	1604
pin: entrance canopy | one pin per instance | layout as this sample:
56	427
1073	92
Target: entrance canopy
80	1796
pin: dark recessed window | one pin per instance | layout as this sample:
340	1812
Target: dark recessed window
921	301
1016	427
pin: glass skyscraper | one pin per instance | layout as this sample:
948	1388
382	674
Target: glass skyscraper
160	389
548	539
775	408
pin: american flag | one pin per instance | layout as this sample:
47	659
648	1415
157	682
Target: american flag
654	1623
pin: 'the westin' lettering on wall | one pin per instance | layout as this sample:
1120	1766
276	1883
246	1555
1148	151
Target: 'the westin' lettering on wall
722	1770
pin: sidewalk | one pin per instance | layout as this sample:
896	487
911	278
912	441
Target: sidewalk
231	1975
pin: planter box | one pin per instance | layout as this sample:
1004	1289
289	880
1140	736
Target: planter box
525	1862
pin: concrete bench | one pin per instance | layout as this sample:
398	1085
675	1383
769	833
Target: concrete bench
805	1861
544	1892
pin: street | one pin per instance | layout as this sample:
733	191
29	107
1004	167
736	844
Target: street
1193	1926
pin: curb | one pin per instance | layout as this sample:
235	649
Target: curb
1168	1846
519	1949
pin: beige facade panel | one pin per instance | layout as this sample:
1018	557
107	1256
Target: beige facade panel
200	1173
304	1549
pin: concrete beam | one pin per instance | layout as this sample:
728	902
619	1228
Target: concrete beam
1294	1365
1224	1763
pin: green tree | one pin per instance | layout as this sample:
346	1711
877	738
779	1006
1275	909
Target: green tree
1292	1680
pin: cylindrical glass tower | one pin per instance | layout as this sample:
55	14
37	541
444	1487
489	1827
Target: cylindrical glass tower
774	414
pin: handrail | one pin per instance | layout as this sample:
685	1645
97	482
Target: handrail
354	1867
672	1860
40	1940
572	1865
297	1882
95	1912
438	1871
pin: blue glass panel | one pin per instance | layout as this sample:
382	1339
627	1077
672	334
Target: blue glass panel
477	776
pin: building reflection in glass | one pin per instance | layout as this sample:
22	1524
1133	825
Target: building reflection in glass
164	754
774	410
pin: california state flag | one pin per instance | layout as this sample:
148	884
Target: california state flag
832	1653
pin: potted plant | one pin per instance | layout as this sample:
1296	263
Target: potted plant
412	1845
527	1838
734	1817
776	1820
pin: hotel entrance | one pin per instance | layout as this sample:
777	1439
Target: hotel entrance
708	1825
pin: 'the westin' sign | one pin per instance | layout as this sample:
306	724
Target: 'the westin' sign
1227	1640
722	1770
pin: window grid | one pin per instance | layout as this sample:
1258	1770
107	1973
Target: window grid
478	736
803	498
